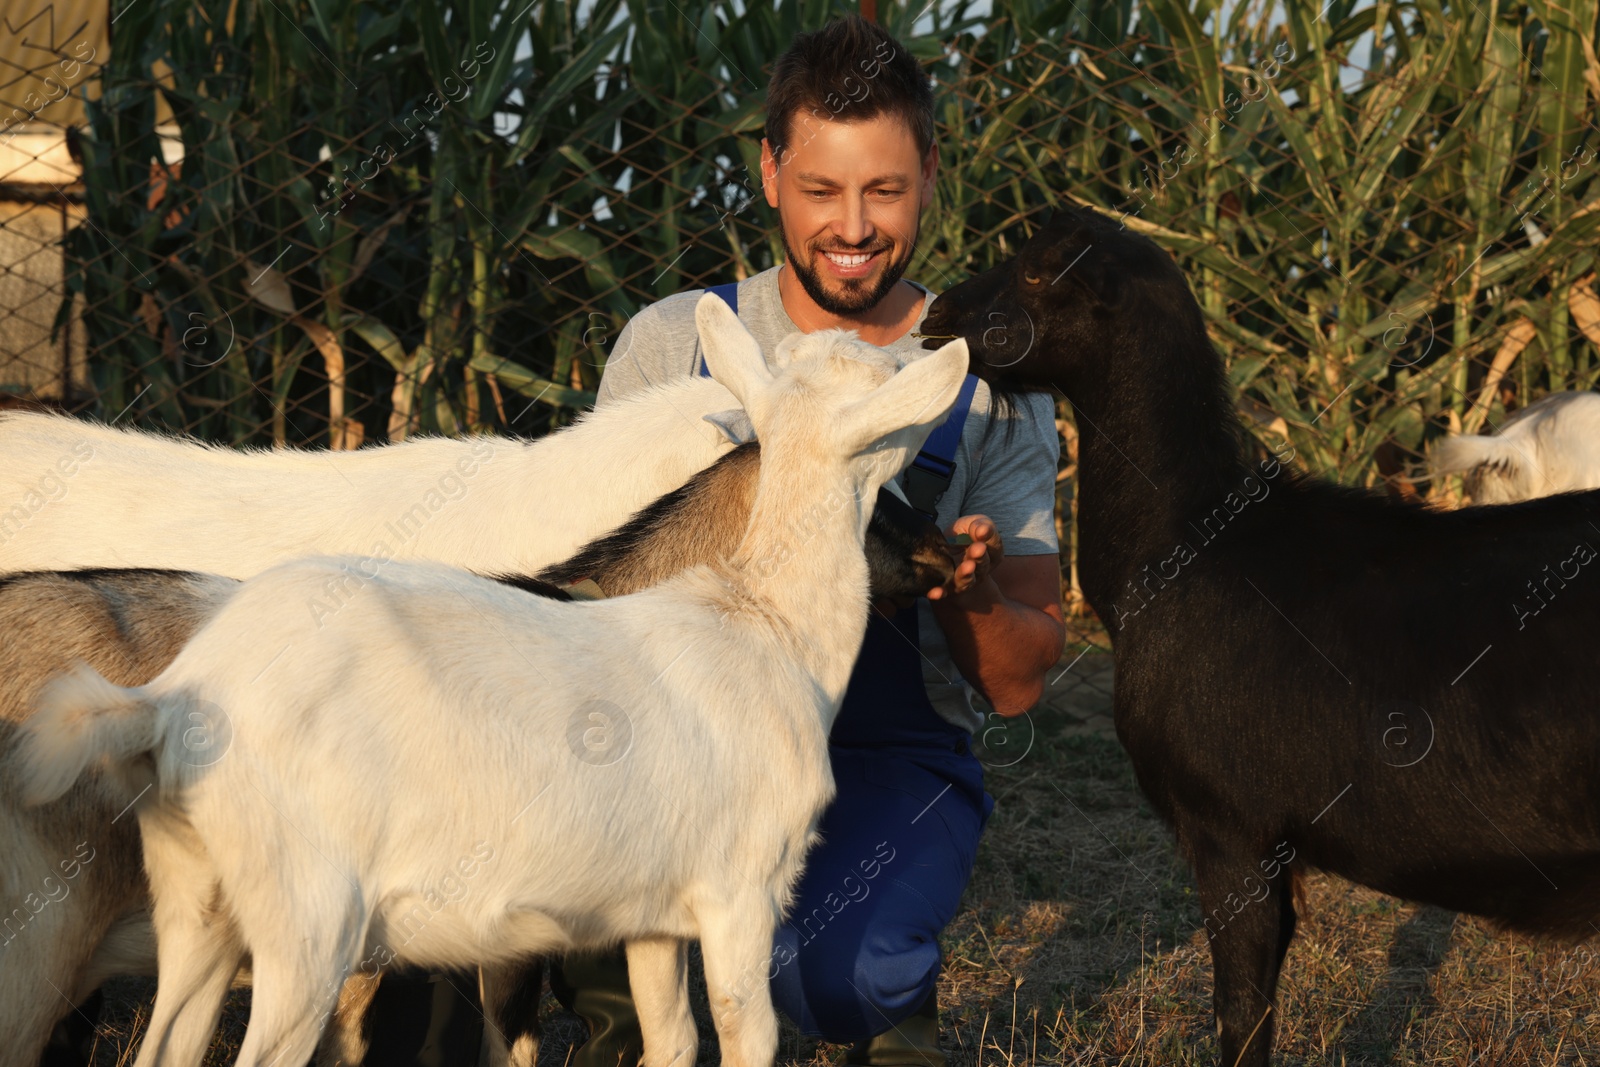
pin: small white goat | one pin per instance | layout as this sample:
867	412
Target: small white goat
319	835
78	494
1551	446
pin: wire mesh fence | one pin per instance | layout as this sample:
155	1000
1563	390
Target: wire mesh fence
334	224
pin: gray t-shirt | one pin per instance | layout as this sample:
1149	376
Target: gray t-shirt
1005	466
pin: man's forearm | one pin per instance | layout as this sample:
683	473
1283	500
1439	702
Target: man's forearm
1003	647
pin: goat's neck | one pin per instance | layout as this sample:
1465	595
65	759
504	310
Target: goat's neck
1158	447
802	564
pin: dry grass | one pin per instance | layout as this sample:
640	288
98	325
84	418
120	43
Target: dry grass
1078	943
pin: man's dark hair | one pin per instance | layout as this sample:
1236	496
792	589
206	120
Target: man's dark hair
849	70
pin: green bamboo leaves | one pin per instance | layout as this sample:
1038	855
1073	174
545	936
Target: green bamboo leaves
1360	234
1388	210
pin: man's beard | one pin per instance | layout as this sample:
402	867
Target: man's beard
855	297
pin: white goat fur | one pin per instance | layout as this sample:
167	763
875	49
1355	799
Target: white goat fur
87	495
1550	446
78	494
320	833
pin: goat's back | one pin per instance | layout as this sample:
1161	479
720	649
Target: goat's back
82	494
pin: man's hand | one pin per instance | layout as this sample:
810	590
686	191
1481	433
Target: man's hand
1001	618
975	561
979	559
1003	623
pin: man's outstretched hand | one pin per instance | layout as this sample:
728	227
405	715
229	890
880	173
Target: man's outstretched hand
975	562
978	560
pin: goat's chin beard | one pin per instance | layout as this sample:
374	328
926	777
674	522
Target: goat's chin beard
858	295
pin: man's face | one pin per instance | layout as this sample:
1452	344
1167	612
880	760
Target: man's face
850	197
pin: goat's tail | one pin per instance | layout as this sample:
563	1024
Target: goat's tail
1463	452
82	719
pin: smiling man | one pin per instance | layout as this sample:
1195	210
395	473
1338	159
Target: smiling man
848	161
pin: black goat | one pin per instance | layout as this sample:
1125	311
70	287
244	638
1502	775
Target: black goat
1306	675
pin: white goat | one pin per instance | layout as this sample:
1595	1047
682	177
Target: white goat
78	494
1551	446
130	624
319	835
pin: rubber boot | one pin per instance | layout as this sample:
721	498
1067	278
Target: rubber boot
419	1019
73	1038
914	1042
594	986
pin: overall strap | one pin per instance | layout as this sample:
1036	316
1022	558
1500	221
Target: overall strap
729	291
929	474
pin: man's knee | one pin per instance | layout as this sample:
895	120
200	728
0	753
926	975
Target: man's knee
851	996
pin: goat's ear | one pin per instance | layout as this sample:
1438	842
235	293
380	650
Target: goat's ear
1074	262
735	425
783	355
1106	285
904	410
732	355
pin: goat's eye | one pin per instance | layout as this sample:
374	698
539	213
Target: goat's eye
1031	279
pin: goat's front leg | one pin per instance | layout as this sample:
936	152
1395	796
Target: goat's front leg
736	942
658	976
1249	919
510	994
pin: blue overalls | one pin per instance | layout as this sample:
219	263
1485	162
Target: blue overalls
860	950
